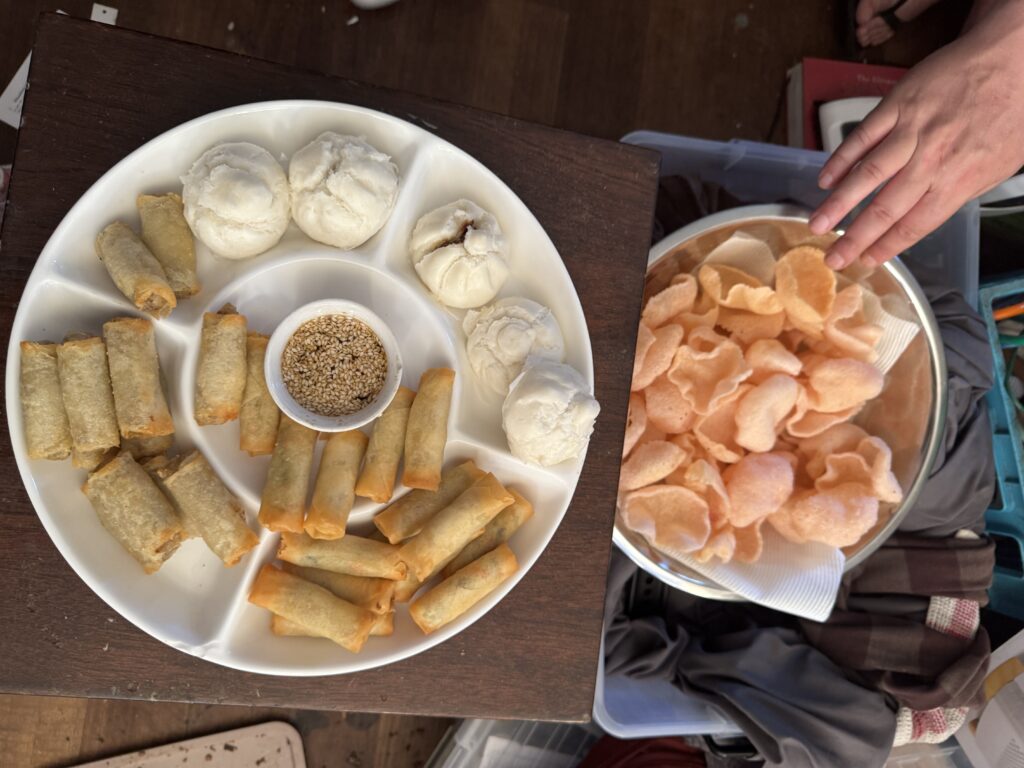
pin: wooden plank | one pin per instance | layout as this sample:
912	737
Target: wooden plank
535	654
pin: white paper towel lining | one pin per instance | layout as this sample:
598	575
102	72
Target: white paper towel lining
800	579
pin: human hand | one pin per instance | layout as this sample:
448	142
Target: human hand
952	129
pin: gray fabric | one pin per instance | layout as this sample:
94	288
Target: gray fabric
962	485
796	707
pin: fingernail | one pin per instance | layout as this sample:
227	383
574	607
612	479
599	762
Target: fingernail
819	224
834	260
825	180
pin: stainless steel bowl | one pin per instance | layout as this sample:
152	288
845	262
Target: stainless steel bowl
909	414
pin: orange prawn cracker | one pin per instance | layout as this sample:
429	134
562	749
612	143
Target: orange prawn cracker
838	517
806	286
840	384
758	485
847	329
636	422
708	369
678	298
644	340
762	411
667	409
659	355
748	327
735	289
717	430
670	517
648	463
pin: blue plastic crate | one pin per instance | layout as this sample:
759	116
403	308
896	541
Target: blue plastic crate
1005	521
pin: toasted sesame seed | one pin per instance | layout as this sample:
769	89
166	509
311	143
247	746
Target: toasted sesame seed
334	365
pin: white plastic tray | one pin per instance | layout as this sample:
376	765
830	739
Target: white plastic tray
194	603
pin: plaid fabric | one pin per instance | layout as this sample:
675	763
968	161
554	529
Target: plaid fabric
929	661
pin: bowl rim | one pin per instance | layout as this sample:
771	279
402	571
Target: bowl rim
275	349
702	586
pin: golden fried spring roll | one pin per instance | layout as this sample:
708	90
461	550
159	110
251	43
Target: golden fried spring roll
259	415
208	509
283	503
134	511
377	480
220	375
134	270
353	555
313	607
463	589
92	460
375	595
427	430
47	433
334	491
453	527
147	447
165	232
382	627
496	532
88	399
410	513
135	377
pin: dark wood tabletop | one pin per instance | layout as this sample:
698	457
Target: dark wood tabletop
96	93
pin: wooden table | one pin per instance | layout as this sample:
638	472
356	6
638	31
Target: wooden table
96	93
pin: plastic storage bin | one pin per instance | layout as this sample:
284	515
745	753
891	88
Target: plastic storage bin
513	744
768	173
1005	521
754	173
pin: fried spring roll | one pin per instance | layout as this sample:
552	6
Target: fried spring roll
165	232
92	460
134	270
259	415
134	511
496	532
147	447
208	509
410	513
353	555
88	399
221	373
334	491
375	595
382	627
47	433
135	378
454	526
427	430
463	589
377	480
313	607
283	503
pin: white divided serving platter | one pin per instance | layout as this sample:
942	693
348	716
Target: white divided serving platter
194	603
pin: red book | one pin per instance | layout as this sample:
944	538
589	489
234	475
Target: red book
823	80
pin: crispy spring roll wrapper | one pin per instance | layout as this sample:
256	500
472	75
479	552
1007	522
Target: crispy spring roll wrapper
134	511
334	491
384	626
221	373
375	595
147	447
377	480
410	513
135	378
208	509
88	398
165	232
135	270
496	532
283	503
47	433
463	589
313	607
427	429
353	555
453	527
92	460
259	415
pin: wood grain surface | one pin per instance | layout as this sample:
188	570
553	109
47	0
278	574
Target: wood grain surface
98	92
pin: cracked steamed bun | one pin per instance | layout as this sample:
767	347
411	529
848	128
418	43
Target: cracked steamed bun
460	254
236	200
343	189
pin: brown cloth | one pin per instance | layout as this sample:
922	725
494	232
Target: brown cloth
920	667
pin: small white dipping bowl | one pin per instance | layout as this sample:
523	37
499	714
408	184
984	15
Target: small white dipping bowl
284	399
